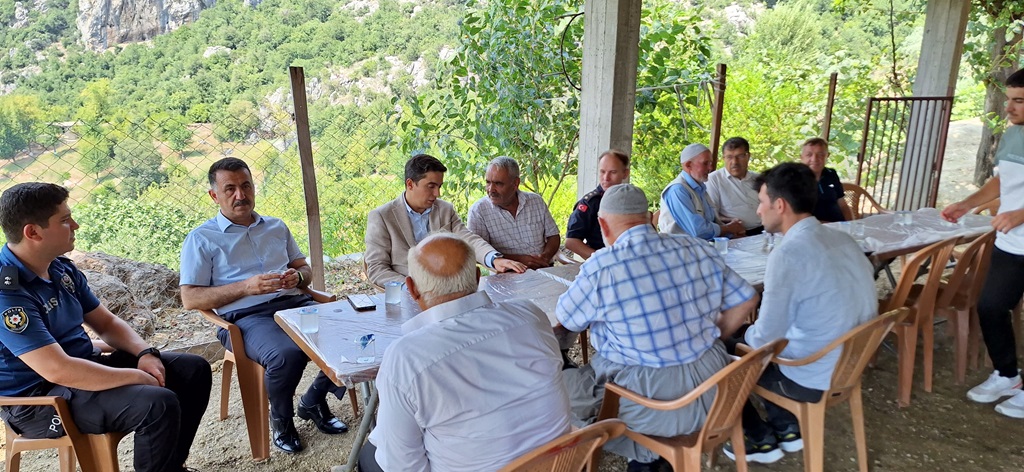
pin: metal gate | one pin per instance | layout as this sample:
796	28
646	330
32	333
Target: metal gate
901	152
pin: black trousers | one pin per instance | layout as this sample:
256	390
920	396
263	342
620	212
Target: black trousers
778	420
1003	289
164	419
284	361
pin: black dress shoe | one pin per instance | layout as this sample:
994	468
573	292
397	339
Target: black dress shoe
322	417
285	437
656	466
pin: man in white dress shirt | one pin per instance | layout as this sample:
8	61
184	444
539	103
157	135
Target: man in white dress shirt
731	188
471	385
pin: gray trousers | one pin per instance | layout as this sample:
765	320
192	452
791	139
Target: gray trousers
586	392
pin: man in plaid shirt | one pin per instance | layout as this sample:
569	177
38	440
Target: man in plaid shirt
656	305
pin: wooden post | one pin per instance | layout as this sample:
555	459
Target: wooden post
717	107
826	129
316	241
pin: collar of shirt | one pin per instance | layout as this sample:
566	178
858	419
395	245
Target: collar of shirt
420	221
633	232
7	257
224	223
412	212
446	310
698	186
519	205
802	226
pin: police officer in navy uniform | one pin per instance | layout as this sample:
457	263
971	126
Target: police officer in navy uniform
44	299
583	234
246	267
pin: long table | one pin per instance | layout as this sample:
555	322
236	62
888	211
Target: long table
336	347
337	350
884	239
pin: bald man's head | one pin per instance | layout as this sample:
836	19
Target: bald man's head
442	267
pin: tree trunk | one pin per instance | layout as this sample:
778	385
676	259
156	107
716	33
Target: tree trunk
995	98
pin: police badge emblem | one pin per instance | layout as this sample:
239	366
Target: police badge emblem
66	281
15	319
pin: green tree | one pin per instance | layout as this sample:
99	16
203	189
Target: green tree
993	52
21	119
138	163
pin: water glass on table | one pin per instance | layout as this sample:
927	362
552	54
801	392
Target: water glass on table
309	319
722	245
393	292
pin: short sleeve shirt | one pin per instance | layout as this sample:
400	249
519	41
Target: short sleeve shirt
1010	160
38	312
583	220
526	232
830	190
220	252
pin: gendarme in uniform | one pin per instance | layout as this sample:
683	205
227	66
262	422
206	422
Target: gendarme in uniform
583	220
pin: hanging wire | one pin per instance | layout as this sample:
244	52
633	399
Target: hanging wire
561	48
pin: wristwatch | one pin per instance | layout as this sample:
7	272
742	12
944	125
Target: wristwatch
301	278
149	350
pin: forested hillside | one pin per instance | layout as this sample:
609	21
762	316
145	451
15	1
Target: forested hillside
131	129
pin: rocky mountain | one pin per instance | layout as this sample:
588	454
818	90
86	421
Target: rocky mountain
105	23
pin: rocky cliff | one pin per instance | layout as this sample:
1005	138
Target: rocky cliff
105	23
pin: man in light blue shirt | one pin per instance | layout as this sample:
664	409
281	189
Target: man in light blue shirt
246	267
656	305
685	206
818	285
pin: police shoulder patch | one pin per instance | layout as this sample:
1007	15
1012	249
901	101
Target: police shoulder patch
15	319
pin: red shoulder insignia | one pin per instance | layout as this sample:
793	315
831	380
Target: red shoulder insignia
582	207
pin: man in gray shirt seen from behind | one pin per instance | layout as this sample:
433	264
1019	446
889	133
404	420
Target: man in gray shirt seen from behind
817	286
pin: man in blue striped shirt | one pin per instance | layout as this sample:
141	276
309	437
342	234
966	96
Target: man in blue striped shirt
656	305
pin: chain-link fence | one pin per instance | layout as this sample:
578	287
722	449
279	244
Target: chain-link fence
138	186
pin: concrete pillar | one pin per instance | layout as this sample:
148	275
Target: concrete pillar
611	37
937	69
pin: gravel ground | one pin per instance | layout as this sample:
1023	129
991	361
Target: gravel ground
939	431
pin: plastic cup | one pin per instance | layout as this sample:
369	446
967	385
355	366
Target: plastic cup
309	319
722	245
857	229
844	226
769	242
279	274
393	292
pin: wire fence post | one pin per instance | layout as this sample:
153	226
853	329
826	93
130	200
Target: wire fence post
316	241
717	108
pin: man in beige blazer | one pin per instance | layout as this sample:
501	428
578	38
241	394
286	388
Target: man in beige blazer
395	227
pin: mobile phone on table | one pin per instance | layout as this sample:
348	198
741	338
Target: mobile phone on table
362	302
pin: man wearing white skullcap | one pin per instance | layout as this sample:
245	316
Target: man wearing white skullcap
685	207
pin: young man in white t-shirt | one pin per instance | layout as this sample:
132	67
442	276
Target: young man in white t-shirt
1004	285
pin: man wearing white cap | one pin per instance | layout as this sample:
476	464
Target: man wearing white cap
656	305
685	207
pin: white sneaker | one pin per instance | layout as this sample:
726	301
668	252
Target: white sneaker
1013	406
994	388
